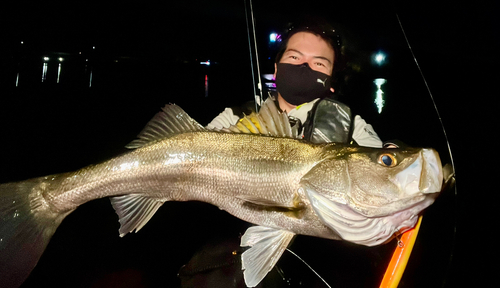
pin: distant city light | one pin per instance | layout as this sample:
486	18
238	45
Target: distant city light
60	59
269	77
270	85
205	63
45	58
379	58
93	47
22	42
274	37
379	101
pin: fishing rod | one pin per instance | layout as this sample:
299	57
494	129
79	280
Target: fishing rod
257	87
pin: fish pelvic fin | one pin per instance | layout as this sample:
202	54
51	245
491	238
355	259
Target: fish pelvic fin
294	208
266	247
170	121
134	211
27	223
269	121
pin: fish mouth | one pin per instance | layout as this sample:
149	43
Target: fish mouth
355	227
424	175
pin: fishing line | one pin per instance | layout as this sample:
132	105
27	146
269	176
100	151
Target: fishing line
452	181
308	266
429	91
250	48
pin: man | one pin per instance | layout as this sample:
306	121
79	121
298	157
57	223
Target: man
304	68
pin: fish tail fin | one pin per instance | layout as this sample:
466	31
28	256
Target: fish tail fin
26	225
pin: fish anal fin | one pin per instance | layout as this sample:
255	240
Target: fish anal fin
134	211
266	247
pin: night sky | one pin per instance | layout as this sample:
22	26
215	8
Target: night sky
147	54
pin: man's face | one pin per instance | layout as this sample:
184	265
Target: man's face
304	47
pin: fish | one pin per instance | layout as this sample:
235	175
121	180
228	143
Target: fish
258	170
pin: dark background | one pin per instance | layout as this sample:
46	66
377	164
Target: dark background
147	54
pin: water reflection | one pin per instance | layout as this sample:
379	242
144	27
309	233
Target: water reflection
44	71
81	66
59	69
206	85
90	80
379	100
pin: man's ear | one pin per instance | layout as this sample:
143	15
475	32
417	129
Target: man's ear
333	90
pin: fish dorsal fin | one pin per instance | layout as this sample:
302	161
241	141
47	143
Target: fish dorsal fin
134	211
269	121
171	120
266	247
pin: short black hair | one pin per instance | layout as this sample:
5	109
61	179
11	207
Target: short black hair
317	26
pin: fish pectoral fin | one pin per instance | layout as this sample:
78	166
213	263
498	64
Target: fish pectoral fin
134	211
266	247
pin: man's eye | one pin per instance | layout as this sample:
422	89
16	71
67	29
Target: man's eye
320	64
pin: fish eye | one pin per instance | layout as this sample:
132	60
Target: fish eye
387	160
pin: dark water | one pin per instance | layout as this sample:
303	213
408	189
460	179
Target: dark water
49	127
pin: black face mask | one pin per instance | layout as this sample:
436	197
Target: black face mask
298	84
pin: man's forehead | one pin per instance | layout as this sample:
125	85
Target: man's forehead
309	43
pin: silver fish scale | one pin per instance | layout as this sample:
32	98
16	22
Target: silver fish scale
219	168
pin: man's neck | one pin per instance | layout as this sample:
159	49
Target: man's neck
285	106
